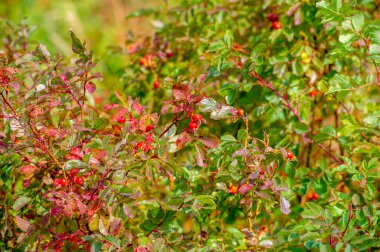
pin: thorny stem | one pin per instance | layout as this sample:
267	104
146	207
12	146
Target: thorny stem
33	130
330	154
155	229
9	105
295	111
283	97
171	125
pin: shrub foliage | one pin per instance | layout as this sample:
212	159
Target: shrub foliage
242	125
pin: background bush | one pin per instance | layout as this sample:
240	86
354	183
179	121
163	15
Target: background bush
284	156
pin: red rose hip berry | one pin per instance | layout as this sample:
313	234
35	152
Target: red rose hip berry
310	196
315	196
289	155
74	172
233	189
196	118
193	125
313	93
156	84
149	128
63	182
240	112
272	17
121	119
276	25
79	180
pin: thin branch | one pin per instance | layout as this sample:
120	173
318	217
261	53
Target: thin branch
171	125
330	154
283	97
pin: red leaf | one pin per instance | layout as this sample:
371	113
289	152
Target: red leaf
137	107
118	114
244	189
75	154
28	169
210	142
90	87
199	156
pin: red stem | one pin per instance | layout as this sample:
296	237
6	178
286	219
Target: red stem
283	97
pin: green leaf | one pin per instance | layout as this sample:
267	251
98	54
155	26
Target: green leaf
21	202
41	53
229	38
216	46
76	46
313	211
300	128
369	243
73	164
228	138
358	21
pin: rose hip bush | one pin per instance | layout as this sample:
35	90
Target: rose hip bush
242	126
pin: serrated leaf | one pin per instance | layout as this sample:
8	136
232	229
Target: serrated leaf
284	205
208	105
358	21
216	46
21	202
76	46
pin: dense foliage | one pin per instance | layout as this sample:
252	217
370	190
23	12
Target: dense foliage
241	126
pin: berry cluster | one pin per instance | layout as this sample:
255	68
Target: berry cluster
73	175
276	25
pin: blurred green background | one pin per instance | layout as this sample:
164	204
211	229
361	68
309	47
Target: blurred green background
101	23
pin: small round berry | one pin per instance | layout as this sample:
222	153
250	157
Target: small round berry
63	182
74	172
289	155
156	84
149	128
315	196
139	145
310	196
196	118
313	93
233	189
170	54
276	25
240	112
272	17
79	180
121	119
193	125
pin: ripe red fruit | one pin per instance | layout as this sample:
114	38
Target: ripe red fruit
63	182
310	196
315	196
240	112
289	155
79	180
149	128
121	119
313	92
276	25
193	125
170	54
272	17
74	172
156	84
139	145
233	189
196	118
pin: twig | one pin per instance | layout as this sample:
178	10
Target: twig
171	125
155	229
283	97
330	154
